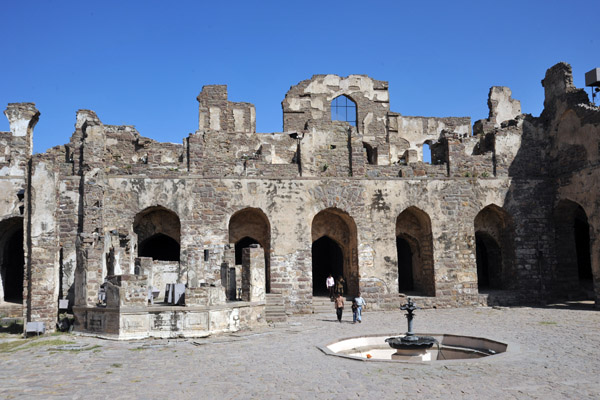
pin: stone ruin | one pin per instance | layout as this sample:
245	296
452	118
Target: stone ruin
505	212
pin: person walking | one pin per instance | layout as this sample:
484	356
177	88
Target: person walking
339	307
354	311
330	284
339	286
360	303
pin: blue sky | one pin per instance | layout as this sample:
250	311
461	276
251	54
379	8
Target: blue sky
144	63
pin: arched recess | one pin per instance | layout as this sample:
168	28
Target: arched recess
12	263
334	237
493	248
159	234
343	108
573	273
414	247
251	226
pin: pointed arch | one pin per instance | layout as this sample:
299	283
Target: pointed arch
573	274
340	230
414	246
251	226
158	231
493	248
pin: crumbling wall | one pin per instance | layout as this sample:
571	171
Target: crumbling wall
217	114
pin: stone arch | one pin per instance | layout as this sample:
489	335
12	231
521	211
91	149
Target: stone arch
573	272
158	231
344	108
414	246
339	228
251	226
493	248
12	260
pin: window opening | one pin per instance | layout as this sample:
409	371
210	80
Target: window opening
343	109
427	153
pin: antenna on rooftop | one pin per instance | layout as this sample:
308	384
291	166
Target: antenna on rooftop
592	79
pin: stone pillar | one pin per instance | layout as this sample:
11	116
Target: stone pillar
253	273
42	265
88	276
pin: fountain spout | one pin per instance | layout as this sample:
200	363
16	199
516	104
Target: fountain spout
410	346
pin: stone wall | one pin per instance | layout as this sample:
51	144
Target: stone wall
82	202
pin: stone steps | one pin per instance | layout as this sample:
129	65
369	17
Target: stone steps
275	308
322	305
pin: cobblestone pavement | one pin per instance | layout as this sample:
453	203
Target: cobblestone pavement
553	353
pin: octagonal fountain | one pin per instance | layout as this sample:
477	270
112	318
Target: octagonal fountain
413	347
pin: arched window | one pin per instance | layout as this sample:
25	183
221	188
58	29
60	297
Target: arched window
343	109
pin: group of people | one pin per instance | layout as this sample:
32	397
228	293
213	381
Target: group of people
335	287
336	293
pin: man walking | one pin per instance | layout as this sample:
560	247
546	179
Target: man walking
339	306
360	303
330	283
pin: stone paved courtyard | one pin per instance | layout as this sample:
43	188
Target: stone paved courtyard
554	353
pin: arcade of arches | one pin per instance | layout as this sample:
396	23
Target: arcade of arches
334	250
251	226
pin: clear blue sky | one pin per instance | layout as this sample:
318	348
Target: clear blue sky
143	63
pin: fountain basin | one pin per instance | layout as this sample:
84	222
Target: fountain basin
451	347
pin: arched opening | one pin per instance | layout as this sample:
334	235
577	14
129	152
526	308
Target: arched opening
405	267
159	247
327	258
158	231
493	249
251	226
414	246
574	275
12	264
334	250
343	108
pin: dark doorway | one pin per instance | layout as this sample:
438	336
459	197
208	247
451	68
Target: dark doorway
405	266
489	262
241	245
327	258
582	247
160	247
13	267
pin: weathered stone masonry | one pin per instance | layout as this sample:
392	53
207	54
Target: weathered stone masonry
505	212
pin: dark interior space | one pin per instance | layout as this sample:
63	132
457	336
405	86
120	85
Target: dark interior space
160	247
489	262
13	267
582	245
327	258
241	245
405	267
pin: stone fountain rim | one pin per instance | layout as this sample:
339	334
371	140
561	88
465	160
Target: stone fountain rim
512	350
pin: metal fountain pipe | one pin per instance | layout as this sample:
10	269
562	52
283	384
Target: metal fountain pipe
410	308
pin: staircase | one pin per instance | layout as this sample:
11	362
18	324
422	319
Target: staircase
274	309
322	305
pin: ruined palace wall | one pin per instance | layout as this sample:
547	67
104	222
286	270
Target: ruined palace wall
205	206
